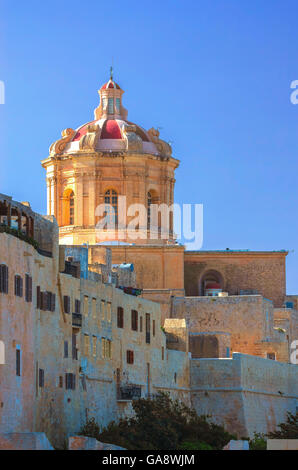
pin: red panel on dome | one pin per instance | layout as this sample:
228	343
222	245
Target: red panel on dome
110	84
110	130
82	131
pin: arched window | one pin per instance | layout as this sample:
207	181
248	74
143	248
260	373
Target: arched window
111	209
68	207
211	283
149	202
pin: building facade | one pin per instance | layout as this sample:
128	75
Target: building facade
94	315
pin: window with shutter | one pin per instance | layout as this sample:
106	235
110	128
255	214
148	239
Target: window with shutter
5	271
38	297
66	303
74	347
41	378
18	286
3	279
70	381
18	362
77	306
65	348
28	288
120	317
134	320
130	357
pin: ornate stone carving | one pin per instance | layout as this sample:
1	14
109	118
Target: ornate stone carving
58	146
88	141
134	143
163	147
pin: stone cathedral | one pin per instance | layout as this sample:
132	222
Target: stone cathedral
92	317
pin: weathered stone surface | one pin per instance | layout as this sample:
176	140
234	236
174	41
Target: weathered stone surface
282	444
24	441
247	394
239	270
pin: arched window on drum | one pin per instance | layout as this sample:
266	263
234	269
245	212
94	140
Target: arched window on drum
111	208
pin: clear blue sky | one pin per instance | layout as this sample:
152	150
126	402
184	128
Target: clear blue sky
214	74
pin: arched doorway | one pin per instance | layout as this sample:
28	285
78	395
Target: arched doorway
211	283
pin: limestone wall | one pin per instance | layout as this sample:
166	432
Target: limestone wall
249	320
244	393
260	271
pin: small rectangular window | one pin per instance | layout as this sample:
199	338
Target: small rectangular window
134	320
18	362
66	303
162	353
153	327
120	317
38	297
106	348
141	324
3	279
28	288
271	356
70	381
65	348
18	286
74	346
61	381
148	328
129	357
41	378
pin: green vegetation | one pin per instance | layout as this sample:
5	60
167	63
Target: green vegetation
18	234
258	442
287	430
161	424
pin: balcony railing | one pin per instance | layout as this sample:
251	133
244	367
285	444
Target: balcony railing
77	320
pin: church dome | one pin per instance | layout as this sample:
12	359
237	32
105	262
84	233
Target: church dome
112	136
110	131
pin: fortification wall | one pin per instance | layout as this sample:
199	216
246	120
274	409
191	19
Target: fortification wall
247	394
